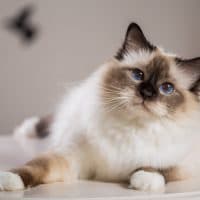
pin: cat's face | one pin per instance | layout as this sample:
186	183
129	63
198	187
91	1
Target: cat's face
145	81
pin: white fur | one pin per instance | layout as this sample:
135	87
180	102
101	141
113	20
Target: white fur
147	181
27	128
10	181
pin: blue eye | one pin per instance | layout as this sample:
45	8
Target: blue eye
166	88
137	74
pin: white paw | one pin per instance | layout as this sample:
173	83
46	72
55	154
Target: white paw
10	181
147	181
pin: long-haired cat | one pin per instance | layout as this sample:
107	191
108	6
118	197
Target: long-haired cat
134	120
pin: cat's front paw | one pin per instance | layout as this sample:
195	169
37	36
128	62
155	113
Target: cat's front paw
147	181
10	181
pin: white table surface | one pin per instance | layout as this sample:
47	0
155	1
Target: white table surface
14	153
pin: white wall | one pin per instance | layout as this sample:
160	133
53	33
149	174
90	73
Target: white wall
76	36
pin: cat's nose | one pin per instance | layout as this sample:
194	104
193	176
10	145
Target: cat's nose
147	91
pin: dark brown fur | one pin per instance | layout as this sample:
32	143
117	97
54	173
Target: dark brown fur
134	39
159	72
43	126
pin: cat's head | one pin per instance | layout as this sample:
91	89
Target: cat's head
143	80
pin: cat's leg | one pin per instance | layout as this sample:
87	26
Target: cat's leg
151	179
147	179
175	174
46	168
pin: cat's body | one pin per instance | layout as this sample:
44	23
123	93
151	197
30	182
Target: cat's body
109	148
134	119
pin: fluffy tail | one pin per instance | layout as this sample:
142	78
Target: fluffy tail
34	127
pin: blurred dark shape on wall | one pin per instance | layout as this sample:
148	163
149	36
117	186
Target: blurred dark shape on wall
21	24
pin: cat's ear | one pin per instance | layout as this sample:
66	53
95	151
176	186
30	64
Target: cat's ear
135	40
191	69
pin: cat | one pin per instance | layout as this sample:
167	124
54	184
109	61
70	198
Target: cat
133	120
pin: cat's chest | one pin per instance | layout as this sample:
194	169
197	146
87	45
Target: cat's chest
135	144
125	149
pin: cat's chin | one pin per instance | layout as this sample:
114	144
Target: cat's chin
139	110
145	110
142	105
146	107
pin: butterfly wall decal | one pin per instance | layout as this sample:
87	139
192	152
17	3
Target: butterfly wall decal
22	25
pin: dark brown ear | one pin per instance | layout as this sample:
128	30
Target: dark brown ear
134	41
191	67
